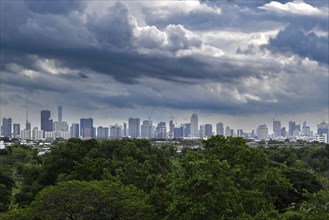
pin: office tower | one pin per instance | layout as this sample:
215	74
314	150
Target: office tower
178	132
134	127
161	130
306	130
74	130
171	129
283	132
276	128
27	124
6	127
102	132
227	131
116	131
291	128
194	125
186	129
87	129
202	131
60	114
16	130
220	128
125	129
147	129
46	122
232	133
239	133
208	130
262	132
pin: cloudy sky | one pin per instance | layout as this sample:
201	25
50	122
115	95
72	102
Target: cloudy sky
236	61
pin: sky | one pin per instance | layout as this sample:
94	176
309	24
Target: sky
239	62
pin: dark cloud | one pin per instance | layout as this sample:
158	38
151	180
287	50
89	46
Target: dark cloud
296	39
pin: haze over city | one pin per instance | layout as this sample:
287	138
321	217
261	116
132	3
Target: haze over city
239	62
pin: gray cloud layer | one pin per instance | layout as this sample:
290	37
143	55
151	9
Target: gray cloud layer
230	58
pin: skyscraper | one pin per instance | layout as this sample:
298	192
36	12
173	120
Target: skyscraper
276	128
292	126
60	114
134	127
147	129
102	132
208	130
124	130
194	125
115	131
87	129
16	130
74	131
171	129
46	122
262	132
161	130
227	131
6	127
220	128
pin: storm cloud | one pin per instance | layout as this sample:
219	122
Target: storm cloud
216	57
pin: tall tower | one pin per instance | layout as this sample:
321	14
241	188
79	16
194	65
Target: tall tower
60	114
194	125
46	122
134	127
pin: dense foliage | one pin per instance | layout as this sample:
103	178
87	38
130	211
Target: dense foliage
131	179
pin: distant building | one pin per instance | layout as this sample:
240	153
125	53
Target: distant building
306	130
220	128
186	129
87	129
227	131
283	132
239	133
46	122
124	129
194	125
208	130
7	127
115	131
323	129
74	130
26	134
276	128
202	131
37	134
171	129
16	130
262	132
322	138
60	114
178	132
292	126
161	130
102	132
134	127
147	130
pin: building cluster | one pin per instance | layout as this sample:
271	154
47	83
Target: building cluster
51	130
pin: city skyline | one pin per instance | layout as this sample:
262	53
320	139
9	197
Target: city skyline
242	63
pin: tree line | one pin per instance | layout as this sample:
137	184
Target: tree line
131	179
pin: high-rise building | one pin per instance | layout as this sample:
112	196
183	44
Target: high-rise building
292	126
87	129
178	132
306	130
46	122
6	127
262	132
116	131
26	134
239	133
37	134
147	129
323	129
220	128
194	125
74	130
283	132
171	129
186	129
16	130
60	114
134	127
208	130
276	128
125	129
227	131
202	131
161	130
102	132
